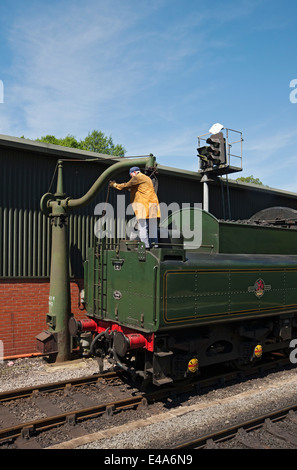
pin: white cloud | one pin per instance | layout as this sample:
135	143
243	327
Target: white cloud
70	68
142	72
272	142
97	62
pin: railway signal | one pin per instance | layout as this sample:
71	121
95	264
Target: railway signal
213	154
215	158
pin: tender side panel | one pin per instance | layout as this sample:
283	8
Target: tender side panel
213	294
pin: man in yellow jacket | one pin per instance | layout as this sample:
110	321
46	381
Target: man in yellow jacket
145	204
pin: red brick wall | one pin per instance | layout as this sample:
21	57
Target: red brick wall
23	309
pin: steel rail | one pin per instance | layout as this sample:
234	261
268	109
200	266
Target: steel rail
231	432
87	380
52	387
31	427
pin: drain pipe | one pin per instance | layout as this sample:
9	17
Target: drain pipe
56	206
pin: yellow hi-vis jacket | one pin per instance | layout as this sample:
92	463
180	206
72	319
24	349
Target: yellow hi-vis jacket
142	196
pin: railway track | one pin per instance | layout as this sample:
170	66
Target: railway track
39	397
273	430
28	429
52	387
23	434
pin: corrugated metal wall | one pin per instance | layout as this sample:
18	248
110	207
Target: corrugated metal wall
25	234
26	174
247	200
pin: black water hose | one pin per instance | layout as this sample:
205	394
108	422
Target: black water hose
97	337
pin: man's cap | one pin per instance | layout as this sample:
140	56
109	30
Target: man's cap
134	168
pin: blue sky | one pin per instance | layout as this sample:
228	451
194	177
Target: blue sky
155	74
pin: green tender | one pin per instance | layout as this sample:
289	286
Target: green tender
238	272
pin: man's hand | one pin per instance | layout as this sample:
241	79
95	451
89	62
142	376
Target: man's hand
112	184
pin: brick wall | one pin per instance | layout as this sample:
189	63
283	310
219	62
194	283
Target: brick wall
23	309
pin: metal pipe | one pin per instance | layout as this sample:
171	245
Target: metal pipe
108	174
59	296
205	180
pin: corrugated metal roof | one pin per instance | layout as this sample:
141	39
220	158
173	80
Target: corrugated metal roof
65	152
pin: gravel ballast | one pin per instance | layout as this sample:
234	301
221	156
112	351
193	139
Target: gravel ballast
36	371
195	416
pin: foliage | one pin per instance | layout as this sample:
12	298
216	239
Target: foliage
249	179
98	142
95	141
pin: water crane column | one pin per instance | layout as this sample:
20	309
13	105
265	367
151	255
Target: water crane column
57	206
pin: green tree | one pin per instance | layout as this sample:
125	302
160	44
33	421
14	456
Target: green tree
68	141
249	179
96	141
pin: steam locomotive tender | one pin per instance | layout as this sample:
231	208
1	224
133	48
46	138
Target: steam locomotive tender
168	313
